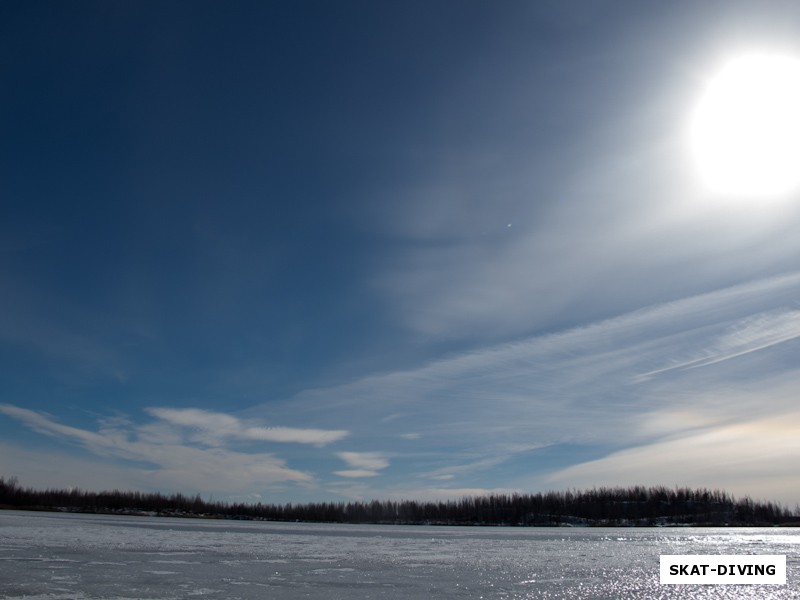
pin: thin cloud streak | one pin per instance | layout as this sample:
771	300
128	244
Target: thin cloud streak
216	426
763	331
356	473
450	472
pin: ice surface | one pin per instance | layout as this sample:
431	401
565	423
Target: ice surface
53	556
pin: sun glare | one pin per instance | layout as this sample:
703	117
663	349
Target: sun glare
745	131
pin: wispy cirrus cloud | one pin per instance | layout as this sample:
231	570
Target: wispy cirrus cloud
44	424
502	413
752	334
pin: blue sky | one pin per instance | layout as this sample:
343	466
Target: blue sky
290	251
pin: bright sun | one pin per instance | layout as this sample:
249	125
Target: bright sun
745	131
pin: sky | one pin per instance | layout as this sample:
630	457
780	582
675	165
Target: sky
297	251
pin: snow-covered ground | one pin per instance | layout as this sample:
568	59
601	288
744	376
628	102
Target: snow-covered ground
56	556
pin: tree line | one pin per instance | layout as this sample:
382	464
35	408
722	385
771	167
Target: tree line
604	506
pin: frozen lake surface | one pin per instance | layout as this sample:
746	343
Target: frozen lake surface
60	556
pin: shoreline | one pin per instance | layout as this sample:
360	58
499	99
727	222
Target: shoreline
132	512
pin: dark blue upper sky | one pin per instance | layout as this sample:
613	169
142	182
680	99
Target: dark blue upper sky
364	243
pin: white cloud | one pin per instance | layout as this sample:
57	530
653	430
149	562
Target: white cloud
356	473
366	460
215	426
318	437
365	464
212	422
172	460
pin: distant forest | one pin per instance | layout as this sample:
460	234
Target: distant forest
630	506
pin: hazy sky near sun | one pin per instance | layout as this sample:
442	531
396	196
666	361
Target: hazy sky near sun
328	250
